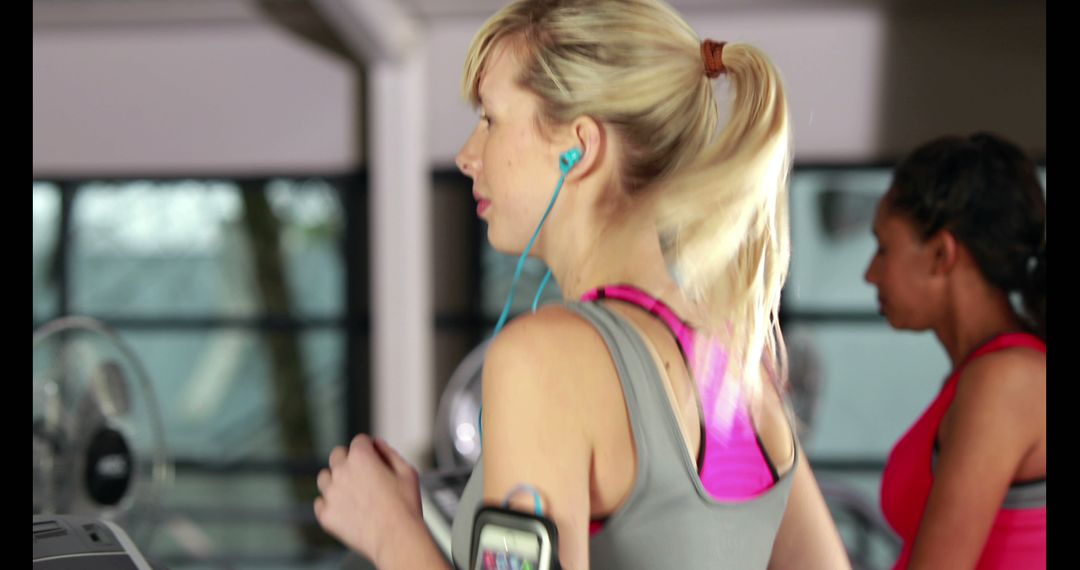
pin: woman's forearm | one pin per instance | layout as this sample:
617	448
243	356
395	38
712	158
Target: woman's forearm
412	546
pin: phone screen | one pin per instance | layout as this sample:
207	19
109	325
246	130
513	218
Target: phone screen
503	548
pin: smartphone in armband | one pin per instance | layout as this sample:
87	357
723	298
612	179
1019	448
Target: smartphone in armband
504	539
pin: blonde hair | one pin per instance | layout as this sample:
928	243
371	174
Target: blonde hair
720	195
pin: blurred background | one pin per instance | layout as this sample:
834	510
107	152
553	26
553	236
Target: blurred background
255	204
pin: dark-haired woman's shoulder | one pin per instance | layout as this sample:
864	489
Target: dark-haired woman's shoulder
1000	405
1009	377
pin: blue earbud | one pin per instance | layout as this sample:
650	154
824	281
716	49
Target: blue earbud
568	159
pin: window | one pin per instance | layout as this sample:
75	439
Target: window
245	300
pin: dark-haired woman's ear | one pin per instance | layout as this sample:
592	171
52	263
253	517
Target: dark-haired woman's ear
946	251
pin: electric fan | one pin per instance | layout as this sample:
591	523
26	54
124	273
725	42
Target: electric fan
99	445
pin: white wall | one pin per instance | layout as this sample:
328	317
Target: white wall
190	99
865	84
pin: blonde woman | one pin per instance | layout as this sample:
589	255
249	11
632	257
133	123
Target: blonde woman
646	410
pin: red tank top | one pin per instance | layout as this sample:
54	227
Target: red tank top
1018	536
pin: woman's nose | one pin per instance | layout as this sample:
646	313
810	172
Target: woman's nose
468	159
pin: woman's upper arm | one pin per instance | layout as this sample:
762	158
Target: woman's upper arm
808	538
994	422
533	423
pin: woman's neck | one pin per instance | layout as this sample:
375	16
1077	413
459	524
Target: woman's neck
977	313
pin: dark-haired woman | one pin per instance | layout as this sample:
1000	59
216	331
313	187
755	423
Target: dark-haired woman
961	231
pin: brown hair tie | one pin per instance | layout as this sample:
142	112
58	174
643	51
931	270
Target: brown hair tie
711	54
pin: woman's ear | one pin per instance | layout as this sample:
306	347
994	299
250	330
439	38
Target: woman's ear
945	249
587	134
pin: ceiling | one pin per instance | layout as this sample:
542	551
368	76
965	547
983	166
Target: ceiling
67	13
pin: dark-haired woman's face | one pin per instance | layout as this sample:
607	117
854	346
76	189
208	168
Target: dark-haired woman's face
901	270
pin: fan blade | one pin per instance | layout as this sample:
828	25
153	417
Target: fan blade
110	389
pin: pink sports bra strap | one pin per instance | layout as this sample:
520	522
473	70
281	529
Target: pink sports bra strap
684	334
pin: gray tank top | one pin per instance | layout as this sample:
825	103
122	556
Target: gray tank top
669	520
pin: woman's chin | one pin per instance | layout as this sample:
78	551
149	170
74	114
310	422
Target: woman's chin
506	246
502	246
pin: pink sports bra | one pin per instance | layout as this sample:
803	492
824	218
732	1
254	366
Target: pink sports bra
732	462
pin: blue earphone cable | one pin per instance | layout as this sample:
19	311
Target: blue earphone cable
566	161
536	299
521	262
525	487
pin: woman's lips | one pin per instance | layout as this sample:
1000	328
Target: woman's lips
481	204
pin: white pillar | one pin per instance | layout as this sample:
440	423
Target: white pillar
402	309
390	43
